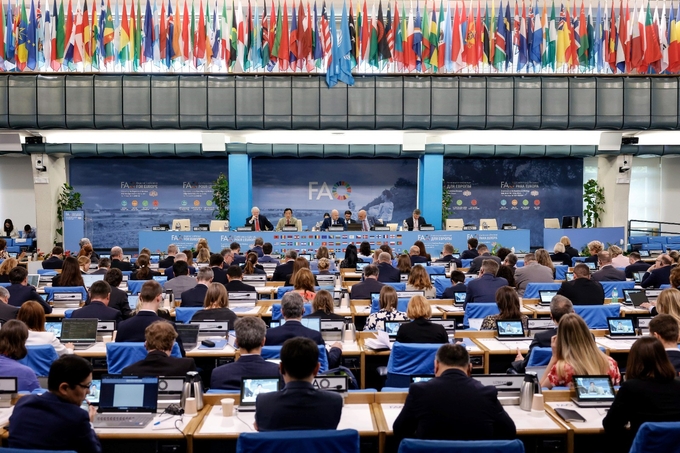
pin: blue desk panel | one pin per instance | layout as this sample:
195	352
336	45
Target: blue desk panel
310	241
579	237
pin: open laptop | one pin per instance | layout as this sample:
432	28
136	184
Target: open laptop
448	324
253	386
54	327
127	401
33	280
593	391
81	332
569	276
89	279
189	334
332	329
306	256
639	298
644	253
510	329
638	276
132	302
592	266
421	378
169	390
360	267
621	329
310	323
626	295
545	296
392	328
459	298
67	299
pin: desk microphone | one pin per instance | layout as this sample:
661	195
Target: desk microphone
504	384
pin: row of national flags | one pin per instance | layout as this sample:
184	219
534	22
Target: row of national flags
430	36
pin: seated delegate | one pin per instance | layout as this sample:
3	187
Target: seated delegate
160	337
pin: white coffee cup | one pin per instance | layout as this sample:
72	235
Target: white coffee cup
227	406
190	406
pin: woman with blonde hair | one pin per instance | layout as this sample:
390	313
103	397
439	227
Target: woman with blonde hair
509	307
32	314
668	302
322	307
618	258
321	253
203	256
575	353
568	249
216	306
84	264
419	280
543	258
201	244
560	256
387	312
5	267
324	266
421	330
594	247
674	278
304	284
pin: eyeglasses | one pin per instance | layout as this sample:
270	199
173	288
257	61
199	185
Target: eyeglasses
85	386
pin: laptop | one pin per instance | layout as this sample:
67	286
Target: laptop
253	386
643	324
310	323
448	324
593	391
459	298
392	328
569	276
644	253
510	329
421	378
95	392
306	256
169	390
188	333
545	296
626	295
81	332
354	227
54	327
132	302
33	280
639	298
67	300
360	266
89	279
592	266
255	280
127	401
332	329
638	276
621	329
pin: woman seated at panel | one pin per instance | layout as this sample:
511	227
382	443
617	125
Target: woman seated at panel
560	256
5	267
388	310
324	266
70	274
668	301
13	337
303	282
574	352
32	314
419	280
84	264
322	307
543	258
351	258
144	272
216	306
421	329
322	252
251	267
365	251
299	263
509	307
594	247
404	264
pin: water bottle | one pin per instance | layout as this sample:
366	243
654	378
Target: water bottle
615	296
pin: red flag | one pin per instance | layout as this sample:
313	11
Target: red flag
284	50
611	42
185	33
272	33
365	34
163	33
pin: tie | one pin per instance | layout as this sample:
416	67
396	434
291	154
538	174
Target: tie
365	227
415	225
257	224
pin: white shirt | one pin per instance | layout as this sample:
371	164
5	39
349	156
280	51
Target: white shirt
38	338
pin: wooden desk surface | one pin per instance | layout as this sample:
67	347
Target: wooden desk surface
593	416
494	346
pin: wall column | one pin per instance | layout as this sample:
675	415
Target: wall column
47	185
616	195
240	189
430	174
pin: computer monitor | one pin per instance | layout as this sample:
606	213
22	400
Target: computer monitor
181	225
573	221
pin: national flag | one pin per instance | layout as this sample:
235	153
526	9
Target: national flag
652	46
57	55
352	35
325	33
553	36
530	31
440	51
612	41
233	39
39	35
304	39
22	39
479	27
164	44
284	50
383	45
425	30
389	36
471	57
77	37
499	50
523	55
621	49
317	44
47	37
87	35
563	43
293	43
31	42
184	33
600	44
535	53
365	38
409	51
123	44
663	37
637	55
418	39
175	33
508	40
582	40
674	44
448	39
148	32
344	49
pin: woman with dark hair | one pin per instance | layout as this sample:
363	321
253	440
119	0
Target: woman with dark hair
387	249
322	252
144	272
404	264
32	314
299	263
419	280
9	230
70	274
3	250
13	337
351	258
322	307
388	310
509	307
216	306
304	284
650	393
507	273
423	252
365	250
251	266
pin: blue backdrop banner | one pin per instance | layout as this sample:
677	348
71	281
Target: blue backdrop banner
123	196
518	191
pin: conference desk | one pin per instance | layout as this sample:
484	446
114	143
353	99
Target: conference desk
580	237
336	242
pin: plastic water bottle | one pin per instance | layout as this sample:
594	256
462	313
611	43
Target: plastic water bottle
615	296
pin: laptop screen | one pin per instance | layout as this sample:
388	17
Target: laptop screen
392	327
403	298
421	378
188	333
592	266
459	297
128	394
54	327
621	326
160	278
78	330
33	280
638	276
89	279
546	295
306	256
510	328
569	276
95	391
132	302
360	266
593	388
310	323
251	387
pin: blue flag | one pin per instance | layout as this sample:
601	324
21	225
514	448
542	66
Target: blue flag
536	41
148	32
508	36
334	65
345	50
31	38
9	36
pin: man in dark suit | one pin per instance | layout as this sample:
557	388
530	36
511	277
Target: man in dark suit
453	406
117	260
367	223
118	298
371	284
7	311
169	260
484	287
195	296
559	306
266	257
259	222
235	275
607	272
387	272
659	274
56	259
348	217
299	405
100	295
333	220
103	266
484	254
471	253
636	265
237	258
216	264
257	247
457	285
665	328
181	281
282	271
20	291
415	222
160	338
448	257
414	254
250	337
582	290
54	420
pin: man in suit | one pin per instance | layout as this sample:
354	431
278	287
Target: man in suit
54	420
348	217
415	222
236	253
217	266
471	252
484	287
299	405
282	271
250	337
235	277
7	311
160	337
457	285
371	283
582	290
170	271
414	254
257	248
118	298
169	260
484	255
267	249
447	256
636	265
292	309
531	272
56	259
366	223
117	260
103	266
287	220
20	291
453	406
659	274
333	220
559	306
607	272
387	272
665	328
195	296
181	282
259	222
98	308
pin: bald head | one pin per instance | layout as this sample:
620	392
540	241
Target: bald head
384	257
255	210
335	214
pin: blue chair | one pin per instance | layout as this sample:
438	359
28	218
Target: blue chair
184	314
274	352
656	245
120	355
466	263
68	313
312	441
664	286
577	259
47	272
596	315
440	284
532	289
539	357
620	286
397	286
656	437
407	359
40	358
670	239
561	272
283	290
479	310
6	285
50	291
135	286
638	240
461	446
435	270
277	315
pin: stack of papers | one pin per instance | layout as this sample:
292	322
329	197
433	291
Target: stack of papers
382	342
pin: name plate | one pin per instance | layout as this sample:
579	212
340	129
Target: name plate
201	228
427	228
159	228
289	228
244	229
509	227
470	228
381	228
336	228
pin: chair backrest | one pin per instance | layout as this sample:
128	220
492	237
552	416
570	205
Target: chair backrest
68	313
407	359
596	315
219	225
435	270
479	311
135	286
551	223
6	285
40	358
283	290
397	286
531	291
461	446
312	441
392	226
656	437
120	355
454	224
50	291
184	314
561	271
274	352
620	286
46	272
539	356
577	259
441	283
277	315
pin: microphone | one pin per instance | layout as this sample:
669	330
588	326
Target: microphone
503	384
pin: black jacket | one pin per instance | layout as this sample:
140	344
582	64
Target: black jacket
421	330
657	277
122	265
219	275
228	377
194	297
18	294
7	312
98	310
583	291
238	285
450	259
265	224
282	271
216	314
119	301
541	340
388	273
157	363
364	289
638	266
53	262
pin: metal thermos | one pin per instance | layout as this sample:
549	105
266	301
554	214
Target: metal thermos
526	393
192	388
